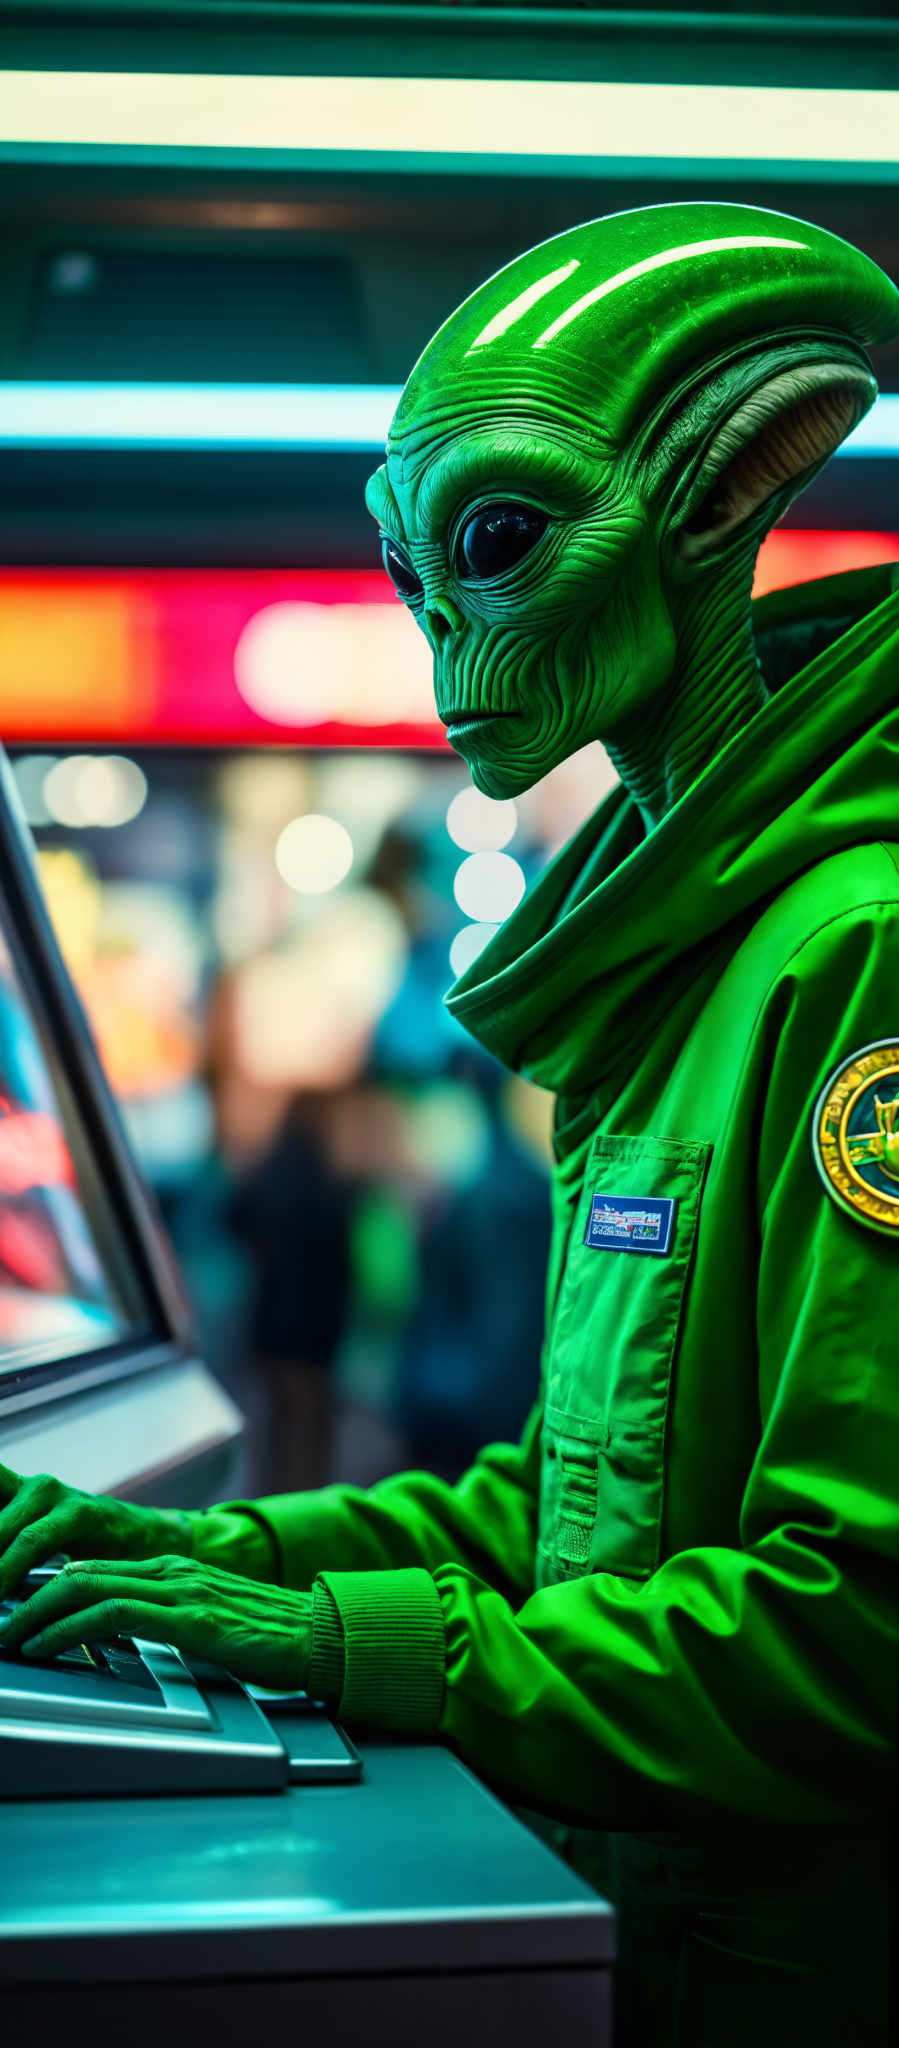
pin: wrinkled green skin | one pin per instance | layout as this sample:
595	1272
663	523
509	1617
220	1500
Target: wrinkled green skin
621	626
141	1579
663	427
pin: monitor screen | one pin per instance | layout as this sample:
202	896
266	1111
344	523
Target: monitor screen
68	1282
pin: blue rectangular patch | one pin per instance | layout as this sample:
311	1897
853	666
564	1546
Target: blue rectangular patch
631	1223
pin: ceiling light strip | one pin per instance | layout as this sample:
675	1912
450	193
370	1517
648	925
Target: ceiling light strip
197	415
297	416
475	117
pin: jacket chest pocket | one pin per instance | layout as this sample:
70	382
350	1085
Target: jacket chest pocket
610	1356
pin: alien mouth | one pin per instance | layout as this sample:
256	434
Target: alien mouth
468	721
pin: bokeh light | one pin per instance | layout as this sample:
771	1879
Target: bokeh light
297	663
305	1010
488	886
94	789
314	853
74	896
263	791
480	824
467	944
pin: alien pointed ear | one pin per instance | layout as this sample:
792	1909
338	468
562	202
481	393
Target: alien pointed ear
766	452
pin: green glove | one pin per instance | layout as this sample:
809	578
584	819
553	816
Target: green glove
262	1635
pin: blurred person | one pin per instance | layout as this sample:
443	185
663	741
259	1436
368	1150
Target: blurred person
287	1202
371	1142
291	1209
415	1037
465	1372
482	1227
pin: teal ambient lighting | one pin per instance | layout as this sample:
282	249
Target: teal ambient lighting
299	416
878	432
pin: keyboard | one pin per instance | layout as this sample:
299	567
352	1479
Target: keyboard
120	1656
133	1717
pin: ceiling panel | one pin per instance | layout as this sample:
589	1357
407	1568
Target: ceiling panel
193	271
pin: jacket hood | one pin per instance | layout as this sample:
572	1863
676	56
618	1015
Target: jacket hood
618	923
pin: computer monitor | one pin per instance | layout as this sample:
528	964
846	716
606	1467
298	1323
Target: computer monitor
100	1381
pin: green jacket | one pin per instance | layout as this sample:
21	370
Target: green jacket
673	1607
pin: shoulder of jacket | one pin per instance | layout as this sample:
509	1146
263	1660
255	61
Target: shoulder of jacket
830	892
817	912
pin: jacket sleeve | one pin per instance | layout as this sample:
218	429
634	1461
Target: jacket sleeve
757	1679
486	1521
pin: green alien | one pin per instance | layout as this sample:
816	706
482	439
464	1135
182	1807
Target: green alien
664	1625
592	445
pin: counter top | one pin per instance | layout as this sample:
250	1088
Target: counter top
416	1867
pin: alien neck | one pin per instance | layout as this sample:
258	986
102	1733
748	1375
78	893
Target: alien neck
713	689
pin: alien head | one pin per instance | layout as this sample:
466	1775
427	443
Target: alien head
608	425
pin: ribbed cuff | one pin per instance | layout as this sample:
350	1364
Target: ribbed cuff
324	1680
394	1647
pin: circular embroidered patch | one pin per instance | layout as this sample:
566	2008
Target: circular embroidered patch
855	1135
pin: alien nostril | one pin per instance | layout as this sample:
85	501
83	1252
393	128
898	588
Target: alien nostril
439	626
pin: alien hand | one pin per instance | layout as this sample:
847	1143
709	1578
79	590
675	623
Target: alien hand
41	1516
259	1633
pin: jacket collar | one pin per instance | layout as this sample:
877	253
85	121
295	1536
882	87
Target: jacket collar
621	920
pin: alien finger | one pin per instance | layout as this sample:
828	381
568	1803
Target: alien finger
36	1538
73	1590
95	1624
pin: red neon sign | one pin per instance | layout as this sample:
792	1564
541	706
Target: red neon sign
261	657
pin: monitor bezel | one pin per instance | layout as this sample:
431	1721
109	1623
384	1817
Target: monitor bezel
175	1337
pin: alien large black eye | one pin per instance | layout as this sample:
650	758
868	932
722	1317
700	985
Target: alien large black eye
497	537
399	569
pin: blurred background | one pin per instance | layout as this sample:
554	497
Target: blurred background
225	243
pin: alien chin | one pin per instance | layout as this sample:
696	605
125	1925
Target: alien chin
499	765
